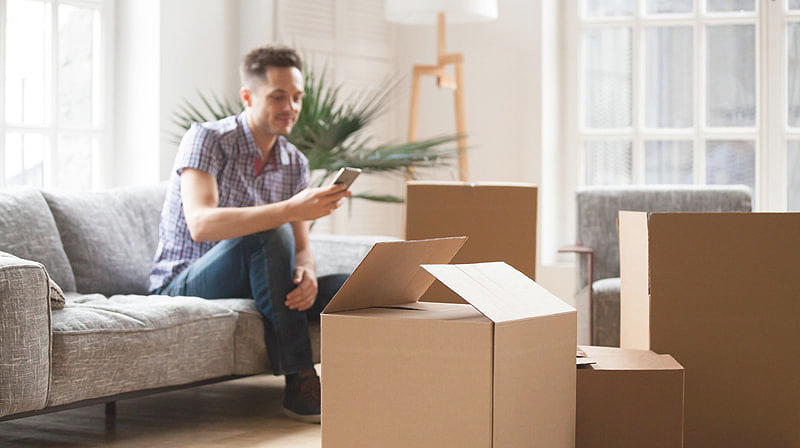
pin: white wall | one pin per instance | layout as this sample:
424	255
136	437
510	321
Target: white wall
199	52
256	24
136	101
503	77
165	51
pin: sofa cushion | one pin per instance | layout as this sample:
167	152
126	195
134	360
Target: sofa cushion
110	237
605	318
104	346
251	351
27	230
606	311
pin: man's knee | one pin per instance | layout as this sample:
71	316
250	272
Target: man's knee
279	240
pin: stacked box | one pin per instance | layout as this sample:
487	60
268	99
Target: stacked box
629	399
498	218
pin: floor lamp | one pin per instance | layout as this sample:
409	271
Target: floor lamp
426	12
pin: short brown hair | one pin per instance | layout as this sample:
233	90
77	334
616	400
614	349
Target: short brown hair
255	63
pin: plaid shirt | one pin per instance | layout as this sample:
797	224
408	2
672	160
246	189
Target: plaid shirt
226	150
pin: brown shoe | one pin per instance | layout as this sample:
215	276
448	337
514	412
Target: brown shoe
301	399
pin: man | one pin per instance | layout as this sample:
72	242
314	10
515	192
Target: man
234	223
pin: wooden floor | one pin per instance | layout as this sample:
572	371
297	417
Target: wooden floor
239	413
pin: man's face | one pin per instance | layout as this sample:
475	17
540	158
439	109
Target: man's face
273	106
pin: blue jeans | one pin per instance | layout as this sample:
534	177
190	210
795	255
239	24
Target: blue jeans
260	266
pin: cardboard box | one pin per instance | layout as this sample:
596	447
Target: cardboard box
719	292
401	373
629	398
498	218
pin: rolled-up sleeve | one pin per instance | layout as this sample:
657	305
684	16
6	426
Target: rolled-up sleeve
199	149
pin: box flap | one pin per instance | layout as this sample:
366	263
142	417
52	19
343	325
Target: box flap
390	273
634	301
615	358
498	291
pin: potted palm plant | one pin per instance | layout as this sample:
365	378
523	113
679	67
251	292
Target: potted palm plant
330	132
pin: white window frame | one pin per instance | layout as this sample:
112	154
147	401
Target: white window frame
771	134
101	155
776	132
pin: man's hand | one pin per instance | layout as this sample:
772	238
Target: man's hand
303	296
314	203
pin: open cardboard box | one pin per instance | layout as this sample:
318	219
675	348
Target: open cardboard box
396	372
629	399
498	217
720	293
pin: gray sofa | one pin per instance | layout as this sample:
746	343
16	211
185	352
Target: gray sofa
112	340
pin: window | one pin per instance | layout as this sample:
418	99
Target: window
687	92
52	98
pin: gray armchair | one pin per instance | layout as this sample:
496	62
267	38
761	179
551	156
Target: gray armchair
597	242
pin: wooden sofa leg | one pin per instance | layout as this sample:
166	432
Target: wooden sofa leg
111	409
111	420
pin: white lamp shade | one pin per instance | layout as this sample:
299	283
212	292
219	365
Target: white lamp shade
423	12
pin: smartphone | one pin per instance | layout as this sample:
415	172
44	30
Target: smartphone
346	176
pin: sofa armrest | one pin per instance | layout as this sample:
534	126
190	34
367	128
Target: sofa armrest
582	250
25	341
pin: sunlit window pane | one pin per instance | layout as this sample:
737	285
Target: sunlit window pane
51	70
668	162
731	162
76	37
731	75
793	73
74	159
793	176
731	5
794	4
27	55
24	159
607	77
668	77
608	163
607	8
13	158
668	6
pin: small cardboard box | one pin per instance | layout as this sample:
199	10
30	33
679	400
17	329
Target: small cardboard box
629	399
498	218
719	292
401	373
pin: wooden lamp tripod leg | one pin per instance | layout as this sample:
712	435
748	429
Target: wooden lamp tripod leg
460	109
461	123
413	116
443	80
